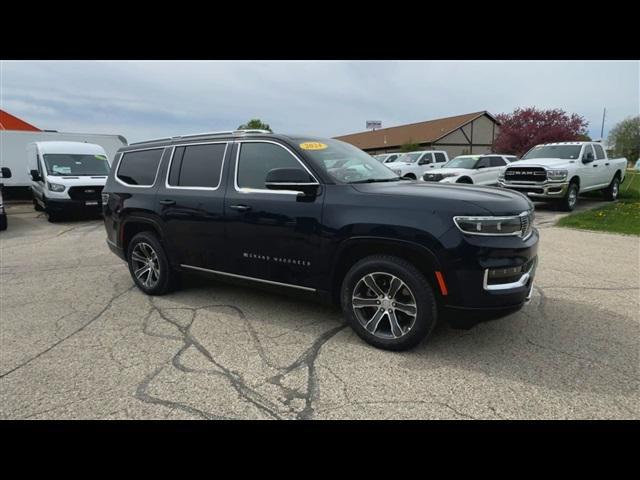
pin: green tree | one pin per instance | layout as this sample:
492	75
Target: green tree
624	139
255	124
409	146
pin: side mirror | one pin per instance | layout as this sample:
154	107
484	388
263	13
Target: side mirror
6	172
291	179
588	159
35	176
481	166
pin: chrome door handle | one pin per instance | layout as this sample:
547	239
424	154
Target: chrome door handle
242	208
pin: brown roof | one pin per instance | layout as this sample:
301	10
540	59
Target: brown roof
421	132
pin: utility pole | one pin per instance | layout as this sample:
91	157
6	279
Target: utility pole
604	113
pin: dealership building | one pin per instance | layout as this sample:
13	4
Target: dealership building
462	134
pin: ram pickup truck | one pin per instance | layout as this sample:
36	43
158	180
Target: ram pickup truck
320	217
560	171
414	165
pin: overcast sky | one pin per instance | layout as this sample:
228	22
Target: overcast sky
142	100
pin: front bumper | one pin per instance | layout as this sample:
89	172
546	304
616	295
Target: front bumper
58	205
486	272
538	190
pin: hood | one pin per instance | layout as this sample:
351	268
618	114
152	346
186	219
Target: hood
455	171
543	162
72	180
398	164
461	199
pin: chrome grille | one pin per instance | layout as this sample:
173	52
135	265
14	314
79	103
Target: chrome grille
525	174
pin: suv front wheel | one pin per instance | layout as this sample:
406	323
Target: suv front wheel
388	302
148	264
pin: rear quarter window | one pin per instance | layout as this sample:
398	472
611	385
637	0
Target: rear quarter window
139	168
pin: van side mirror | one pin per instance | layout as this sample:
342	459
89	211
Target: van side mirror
291	179
6	172
35	176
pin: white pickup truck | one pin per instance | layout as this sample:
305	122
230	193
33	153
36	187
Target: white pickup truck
414	165
560	171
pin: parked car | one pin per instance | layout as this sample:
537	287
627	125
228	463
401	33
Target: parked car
4	173
67	176
414	165
560	171
477	169
387	157
637	167
284	211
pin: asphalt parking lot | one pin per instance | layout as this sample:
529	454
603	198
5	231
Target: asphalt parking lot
79	341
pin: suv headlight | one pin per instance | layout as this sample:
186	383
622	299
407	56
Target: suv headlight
489	225
55	187
397	171
557	174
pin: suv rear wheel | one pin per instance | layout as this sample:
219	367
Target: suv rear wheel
388	302
148	264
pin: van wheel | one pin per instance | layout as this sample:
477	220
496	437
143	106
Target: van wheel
148	264
388	302
611	192
52	217
3	222
36	206
465	180
570	199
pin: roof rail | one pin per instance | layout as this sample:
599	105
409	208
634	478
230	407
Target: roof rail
192	135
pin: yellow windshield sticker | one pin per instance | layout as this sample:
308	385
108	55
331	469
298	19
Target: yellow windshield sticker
100	157
313	146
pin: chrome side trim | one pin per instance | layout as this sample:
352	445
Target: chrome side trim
509	286
265	190
115	176
173	151
243	277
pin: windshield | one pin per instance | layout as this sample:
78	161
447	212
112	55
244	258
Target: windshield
567	152
76	164
345	163
408	157
462	162
380	158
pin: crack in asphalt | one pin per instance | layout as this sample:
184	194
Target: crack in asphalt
67	337
245	392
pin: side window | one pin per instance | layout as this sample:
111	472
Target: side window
197	166
257	159
497	162
139	168
599	152
391	158
426	159
588	151
483	163
440	158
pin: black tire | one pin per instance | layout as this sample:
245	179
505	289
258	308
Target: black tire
52	217
465	180
162	279
410	176
611	192
36	206
3	222
421	292
570	199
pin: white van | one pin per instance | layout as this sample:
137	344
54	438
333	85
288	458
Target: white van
67	176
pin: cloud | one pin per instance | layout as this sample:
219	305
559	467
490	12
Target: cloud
162	98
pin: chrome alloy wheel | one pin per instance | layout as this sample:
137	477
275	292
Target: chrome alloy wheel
614	189
145	263
384	305
573	197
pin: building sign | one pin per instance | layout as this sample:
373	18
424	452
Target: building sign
373	124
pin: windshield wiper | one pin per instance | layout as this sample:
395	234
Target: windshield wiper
374	180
